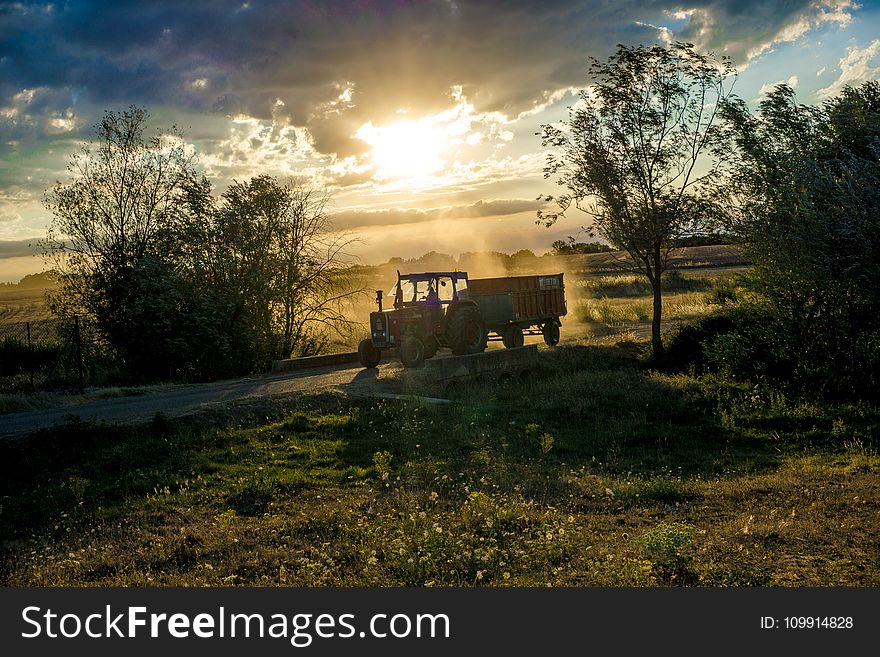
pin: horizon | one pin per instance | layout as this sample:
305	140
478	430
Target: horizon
418	120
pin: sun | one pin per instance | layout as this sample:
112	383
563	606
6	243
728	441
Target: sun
404	150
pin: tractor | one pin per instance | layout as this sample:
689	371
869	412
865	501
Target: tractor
430	311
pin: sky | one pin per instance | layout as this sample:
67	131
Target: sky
418	118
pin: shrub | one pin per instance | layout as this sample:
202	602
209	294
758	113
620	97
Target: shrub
740	342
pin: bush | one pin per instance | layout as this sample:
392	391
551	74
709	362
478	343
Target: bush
739	342
16	357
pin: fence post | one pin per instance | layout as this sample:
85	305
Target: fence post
30	352
77	336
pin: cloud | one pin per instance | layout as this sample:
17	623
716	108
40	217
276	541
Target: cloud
348	219
744	30
285	87
35	113
770	86
343	62
254	146
17	248
855	68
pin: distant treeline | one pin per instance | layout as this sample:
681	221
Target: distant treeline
34	281
434	261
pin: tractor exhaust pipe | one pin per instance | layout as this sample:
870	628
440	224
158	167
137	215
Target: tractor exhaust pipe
379	294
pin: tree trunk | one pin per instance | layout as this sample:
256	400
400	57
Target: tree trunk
657	287
656	341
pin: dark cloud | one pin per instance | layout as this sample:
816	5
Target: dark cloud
18	248
239	57
348	219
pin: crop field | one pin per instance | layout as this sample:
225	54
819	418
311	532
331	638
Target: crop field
22	305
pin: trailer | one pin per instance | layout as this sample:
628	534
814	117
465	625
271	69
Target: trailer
515	306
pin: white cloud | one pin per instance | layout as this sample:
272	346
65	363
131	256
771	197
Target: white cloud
257	146
63	123
770	86
855	68
816	14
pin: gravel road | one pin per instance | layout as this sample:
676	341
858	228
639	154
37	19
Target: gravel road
185	399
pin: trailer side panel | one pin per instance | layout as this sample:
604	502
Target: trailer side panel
519	299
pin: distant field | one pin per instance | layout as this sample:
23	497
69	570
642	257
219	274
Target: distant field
22	304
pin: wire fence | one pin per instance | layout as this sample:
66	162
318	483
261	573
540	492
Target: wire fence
43	355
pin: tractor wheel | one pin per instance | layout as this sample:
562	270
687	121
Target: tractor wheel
430	347
551	333
368	354
512	337
466	331
411	352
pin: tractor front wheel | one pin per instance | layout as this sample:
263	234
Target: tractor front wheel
411	352
368	354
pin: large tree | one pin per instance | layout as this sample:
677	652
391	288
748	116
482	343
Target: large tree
115	237
806	191
636	153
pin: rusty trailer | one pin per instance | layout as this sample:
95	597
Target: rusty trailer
515	306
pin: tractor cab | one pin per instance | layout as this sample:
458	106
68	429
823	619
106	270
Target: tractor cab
432	288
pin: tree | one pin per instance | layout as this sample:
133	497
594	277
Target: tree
279	270
806	186
114	237
635	154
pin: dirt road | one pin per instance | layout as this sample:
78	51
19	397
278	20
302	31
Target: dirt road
185	399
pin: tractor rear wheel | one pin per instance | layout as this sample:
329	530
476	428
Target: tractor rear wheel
368	354
411	352
466	331
512	337
551	333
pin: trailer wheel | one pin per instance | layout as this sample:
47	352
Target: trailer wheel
512	337
551	333
368	354
411	352
466	331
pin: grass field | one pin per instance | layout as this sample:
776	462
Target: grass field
595	473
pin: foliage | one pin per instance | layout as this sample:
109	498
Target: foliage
115	235
740	341
180	284
632	154
275	269
807	184
668	547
